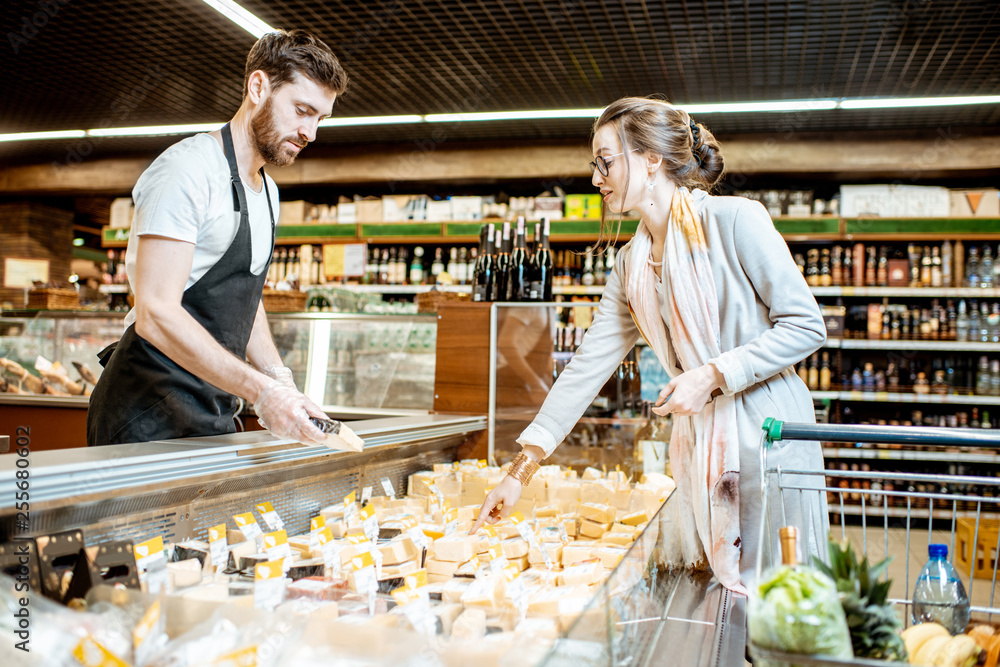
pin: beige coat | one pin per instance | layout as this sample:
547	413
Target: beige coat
769	321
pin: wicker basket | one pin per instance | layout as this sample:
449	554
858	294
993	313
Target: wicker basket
284	301
53	298
428	302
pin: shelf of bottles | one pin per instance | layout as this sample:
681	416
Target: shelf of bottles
910	455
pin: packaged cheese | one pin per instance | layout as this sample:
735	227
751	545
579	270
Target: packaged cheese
575	553
594	530
514	547
582	574
597	513
610	556
617	538
441	567
553	549
456	548
398	550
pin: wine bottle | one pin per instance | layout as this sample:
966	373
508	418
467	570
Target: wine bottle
533	284
437	266
501	291
417	267
483	275
588	268
542	280
520	274
461	276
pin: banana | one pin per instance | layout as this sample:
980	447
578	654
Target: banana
959	651
915	636
929	649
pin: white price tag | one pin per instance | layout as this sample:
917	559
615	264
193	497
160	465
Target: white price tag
330	551
277	549
271	518
387	487
369	523
152	565
366	495
218	547
269	585
249	527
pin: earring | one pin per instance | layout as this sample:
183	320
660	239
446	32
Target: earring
651	183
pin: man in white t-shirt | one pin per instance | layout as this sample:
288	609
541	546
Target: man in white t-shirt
201	241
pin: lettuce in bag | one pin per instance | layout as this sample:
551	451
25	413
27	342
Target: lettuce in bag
796	610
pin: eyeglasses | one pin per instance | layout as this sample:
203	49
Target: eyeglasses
600	163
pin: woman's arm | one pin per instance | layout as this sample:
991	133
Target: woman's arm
798	329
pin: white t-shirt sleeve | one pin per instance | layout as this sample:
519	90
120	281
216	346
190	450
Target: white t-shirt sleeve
172	197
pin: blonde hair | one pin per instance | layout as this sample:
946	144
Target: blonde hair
692	157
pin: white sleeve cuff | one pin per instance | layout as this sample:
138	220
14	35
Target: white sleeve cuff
537	436
733	372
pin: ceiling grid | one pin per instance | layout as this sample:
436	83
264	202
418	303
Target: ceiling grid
162	62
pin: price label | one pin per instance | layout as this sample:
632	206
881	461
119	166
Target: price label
277	549
152	624
350	509
152	565
365	579
268	584
387	487
366	495
249	527
271	518
330	551
481	463
436	491
412	529
218	547
366	547
91	653
451	522
369	523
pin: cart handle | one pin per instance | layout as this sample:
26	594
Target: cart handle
776	430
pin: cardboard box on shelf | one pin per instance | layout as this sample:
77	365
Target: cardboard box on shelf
122	210
394	208
347	212
977	203
369	209
894	201
439	211
466	208
582	207
294	212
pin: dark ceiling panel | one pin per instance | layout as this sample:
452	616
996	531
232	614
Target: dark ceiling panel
152	62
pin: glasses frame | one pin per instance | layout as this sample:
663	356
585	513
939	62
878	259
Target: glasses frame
600	163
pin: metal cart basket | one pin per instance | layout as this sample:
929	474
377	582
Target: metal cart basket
899	513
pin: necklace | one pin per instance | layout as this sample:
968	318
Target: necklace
650	261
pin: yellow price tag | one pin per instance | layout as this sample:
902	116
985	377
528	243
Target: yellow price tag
216	533
146	624
90	653
264	508
350	498
416	579
269	570
325	535
317	523
516	518
361	561
482	463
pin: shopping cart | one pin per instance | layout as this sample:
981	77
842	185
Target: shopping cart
902	506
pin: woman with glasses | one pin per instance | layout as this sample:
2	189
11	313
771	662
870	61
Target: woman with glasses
710	285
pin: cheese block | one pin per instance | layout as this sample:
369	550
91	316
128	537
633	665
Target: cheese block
536	576
456	548
185	573
398	550
569	522
545	601
338	528
617	539
400	570
316	611
441	567
624	528
547	511
635	518
609	556
470	624
598	491
453	590
515	547
565	494
537	627
310	567
622	500
469	568
214	592
355	529
582	574
468	513
618	478
317	588
447	613
333	512
586	621
594	530
596	512
554	550
507	530
484	592
240	551
192	549
300	546
592	473
521	563
415	485
438	578
575	553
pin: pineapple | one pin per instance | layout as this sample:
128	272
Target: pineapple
873	623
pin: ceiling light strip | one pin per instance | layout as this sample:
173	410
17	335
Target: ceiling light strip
782	106
240	17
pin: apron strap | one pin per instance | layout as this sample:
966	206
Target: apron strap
239	196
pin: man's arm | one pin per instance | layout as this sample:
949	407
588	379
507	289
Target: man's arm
261	350
162	269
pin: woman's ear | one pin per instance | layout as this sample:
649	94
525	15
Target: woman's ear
653	161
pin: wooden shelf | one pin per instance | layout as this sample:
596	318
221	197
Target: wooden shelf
899	397
794	230
916	345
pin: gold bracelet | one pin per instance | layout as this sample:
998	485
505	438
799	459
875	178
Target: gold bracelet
522	468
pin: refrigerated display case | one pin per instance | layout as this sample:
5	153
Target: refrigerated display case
119	496
354	365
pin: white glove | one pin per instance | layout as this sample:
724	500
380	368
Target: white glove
282	374
285	413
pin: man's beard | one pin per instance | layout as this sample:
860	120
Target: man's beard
268	142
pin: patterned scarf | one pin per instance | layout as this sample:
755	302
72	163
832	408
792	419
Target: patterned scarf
703	519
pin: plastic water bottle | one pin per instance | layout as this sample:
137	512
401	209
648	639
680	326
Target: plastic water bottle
939	594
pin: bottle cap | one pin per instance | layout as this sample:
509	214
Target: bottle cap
937	550
788	536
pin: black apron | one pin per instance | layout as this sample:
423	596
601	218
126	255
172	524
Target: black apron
143	395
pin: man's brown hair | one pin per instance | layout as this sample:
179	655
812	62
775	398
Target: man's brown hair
281	55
